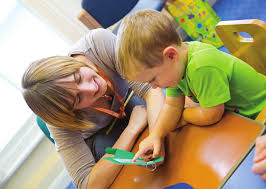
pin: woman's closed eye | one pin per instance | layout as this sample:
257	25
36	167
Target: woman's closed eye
152	80
78	99
77	77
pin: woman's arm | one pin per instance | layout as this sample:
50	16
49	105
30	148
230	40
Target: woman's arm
259	166
104	172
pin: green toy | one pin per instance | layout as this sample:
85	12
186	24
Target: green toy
123	157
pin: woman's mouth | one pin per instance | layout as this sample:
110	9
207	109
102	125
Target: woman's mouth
99	87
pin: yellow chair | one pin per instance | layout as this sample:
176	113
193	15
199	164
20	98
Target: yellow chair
251	50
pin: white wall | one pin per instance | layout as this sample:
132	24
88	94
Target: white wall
61	15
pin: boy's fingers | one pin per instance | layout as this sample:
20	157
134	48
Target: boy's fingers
143	153
156	150
137	155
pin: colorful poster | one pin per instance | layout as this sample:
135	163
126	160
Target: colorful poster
198	19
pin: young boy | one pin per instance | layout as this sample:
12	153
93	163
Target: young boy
150	50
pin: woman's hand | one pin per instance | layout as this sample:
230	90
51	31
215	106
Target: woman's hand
259	166
149	148
138	119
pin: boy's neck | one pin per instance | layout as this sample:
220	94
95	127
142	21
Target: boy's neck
183	51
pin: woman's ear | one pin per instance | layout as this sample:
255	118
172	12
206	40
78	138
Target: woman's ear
171	53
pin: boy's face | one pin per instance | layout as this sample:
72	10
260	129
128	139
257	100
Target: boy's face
167	74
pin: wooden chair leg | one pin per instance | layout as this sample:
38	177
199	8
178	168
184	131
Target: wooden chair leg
88	20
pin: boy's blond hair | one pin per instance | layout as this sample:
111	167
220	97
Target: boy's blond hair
46	98
141	39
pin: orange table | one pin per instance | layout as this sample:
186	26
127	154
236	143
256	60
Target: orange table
199	156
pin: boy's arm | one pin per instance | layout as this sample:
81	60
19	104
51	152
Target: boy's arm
169	116
167	120
154	99
203	116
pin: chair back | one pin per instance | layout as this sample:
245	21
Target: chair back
105	13
249	49
42	125
108	12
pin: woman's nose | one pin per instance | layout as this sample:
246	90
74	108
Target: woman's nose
88	88
153	85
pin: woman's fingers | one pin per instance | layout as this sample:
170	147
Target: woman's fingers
260	156
263	177
260	167
260	151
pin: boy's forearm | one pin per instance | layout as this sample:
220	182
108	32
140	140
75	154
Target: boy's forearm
166	122
154	100
168	117
203	116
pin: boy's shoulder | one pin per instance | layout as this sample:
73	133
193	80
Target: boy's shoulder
201	51
205	55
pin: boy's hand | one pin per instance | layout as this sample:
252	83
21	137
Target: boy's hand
149	148
259	166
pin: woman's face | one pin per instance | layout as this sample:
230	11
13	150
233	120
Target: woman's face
86	86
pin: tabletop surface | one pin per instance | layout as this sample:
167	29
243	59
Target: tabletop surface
198	156
243	177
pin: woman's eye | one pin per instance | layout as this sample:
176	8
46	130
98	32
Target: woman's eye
153	79
78	99
77	78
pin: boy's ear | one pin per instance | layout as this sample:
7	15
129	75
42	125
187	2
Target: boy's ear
171	53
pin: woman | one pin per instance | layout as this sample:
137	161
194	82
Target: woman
259	166
79	96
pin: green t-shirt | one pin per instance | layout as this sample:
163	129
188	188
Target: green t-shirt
213	77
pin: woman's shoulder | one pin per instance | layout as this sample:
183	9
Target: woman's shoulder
101	34
58	131
98	40
64	134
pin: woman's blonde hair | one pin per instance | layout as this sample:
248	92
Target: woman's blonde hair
46	98
141	39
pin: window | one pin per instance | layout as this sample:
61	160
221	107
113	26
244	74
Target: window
24	38
27	34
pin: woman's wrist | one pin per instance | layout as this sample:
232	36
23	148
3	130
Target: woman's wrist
133	129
